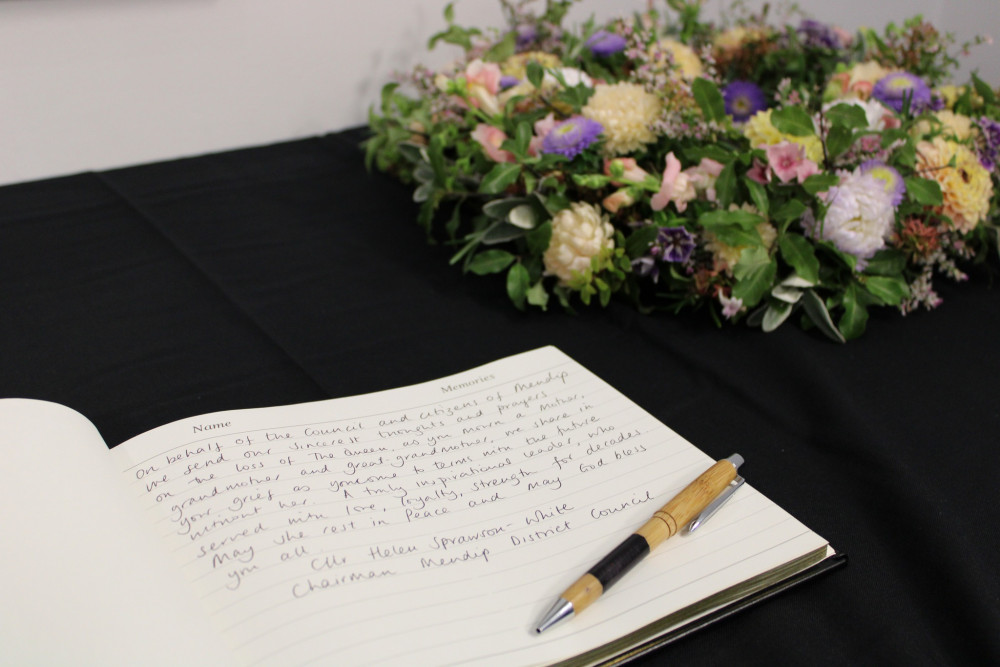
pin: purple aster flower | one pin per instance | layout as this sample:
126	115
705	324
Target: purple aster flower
603	43
893	88
526	34
894	184
989	143
571	136
674	244
818	35
743	99
507	81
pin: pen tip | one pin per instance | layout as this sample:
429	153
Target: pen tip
560	609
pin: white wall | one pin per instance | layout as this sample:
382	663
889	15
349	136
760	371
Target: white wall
93	84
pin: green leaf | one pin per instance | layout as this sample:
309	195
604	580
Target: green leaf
591	181
490	261
500	177
848	260
516	210
454	35
887	262
435	156
725	185
849	116
756	318
501	232
538	238
984	90
838	140
502	50
523	216
801	256
789	211
775	315
793	120
537	295
423	192
820	182
820	316
855	317
890	291
719	153
412	152
754	274
455	219
924	191
638	242
518	282
740	218
758	194
518	145
708	97
535	74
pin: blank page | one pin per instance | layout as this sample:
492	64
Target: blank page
84	580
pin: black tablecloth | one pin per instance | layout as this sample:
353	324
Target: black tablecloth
288	273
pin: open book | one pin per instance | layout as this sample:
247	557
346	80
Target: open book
430	524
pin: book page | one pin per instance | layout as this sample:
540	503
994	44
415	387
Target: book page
434	524
83	579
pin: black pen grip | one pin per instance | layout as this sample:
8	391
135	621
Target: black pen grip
622	558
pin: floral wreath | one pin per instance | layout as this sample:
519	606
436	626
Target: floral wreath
753	170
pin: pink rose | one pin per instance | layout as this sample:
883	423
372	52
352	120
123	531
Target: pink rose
490	138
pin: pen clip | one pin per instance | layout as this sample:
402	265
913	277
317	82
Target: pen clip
713	506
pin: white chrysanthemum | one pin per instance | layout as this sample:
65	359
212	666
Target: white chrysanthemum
627	113
860	216
579	233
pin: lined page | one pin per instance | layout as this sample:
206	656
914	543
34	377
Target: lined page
434	524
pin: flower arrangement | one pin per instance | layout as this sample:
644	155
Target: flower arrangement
752	169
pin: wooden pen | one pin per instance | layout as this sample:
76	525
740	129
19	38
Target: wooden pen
666	522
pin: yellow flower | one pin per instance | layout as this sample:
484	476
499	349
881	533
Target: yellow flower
579	233
951	93
517	65
761	132
966	186
955	125
627	112
685	59
731	39
952	126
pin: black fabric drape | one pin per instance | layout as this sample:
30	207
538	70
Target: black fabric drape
288	273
